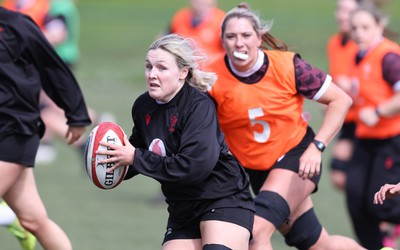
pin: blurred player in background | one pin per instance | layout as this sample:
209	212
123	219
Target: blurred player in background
30	64
201	20
38	10
60	23
176	140
259	95
341	50
62	29
376	94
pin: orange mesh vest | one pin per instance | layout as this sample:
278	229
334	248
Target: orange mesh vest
36	9
373	89
341	60
261	121
207	34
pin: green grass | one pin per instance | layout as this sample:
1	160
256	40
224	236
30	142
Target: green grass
115	37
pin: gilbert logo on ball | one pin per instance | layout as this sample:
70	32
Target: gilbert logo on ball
104	132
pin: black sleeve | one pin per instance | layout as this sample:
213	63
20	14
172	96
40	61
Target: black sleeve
57	79
197	155
136	138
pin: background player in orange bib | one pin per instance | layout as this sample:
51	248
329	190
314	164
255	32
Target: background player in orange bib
201	21
376	159
341	50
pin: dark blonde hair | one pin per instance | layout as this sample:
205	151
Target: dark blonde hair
261	27
187	56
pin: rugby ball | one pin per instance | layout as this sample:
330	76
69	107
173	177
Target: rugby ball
97	172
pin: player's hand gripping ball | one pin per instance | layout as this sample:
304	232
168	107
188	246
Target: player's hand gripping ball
97	172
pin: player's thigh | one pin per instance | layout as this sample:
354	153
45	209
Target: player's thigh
187	244
10	173
16	153
225	233
24	199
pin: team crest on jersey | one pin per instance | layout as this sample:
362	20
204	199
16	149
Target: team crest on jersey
147	117
172	123
157	147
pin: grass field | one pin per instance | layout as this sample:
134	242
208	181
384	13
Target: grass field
115	37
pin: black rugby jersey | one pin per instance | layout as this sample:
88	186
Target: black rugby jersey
28	63
180	145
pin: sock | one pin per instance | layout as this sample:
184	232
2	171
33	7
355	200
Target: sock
7	216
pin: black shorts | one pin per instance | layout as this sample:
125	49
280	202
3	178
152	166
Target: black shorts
20	149
240	216
290	161
233	209
348	131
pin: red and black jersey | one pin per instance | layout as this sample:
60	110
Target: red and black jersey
29	63
180	144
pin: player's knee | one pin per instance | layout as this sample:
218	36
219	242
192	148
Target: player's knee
272	207
34	223
31	226
305	231
215	247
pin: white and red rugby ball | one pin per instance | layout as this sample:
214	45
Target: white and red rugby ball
97	172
